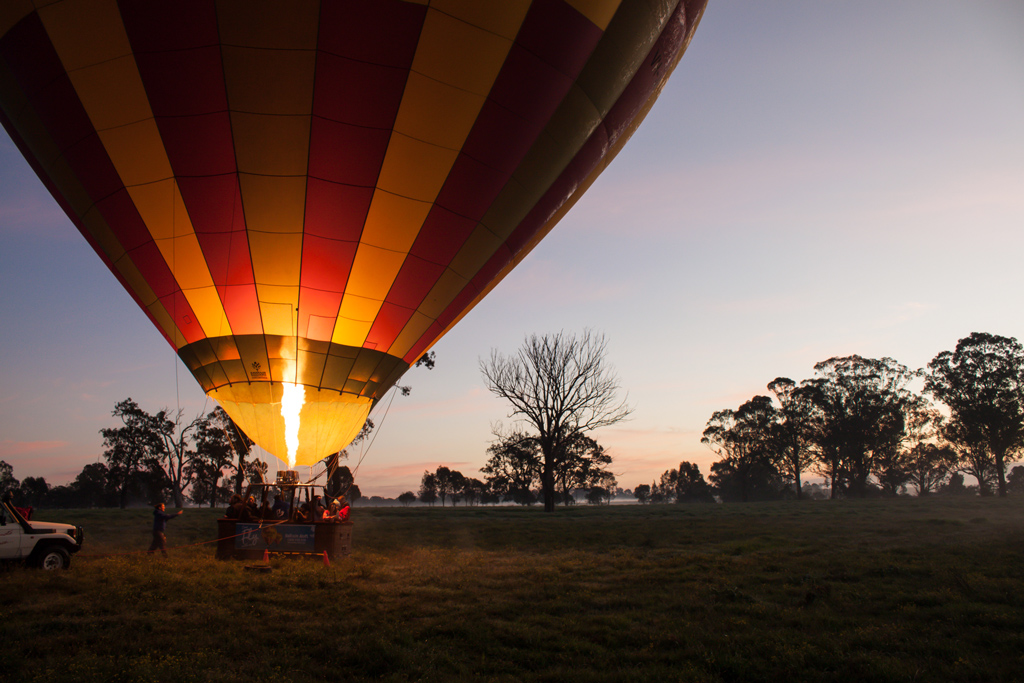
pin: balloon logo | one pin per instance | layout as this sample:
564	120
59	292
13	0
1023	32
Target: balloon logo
304	196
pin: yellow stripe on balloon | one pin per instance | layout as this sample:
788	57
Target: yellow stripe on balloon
269	56
360	305
91	42
412	332
600	12
455	66
502	18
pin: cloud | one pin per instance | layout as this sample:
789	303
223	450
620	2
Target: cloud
10	448
640	455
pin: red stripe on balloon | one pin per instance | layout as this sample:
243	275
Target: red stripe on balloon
634	97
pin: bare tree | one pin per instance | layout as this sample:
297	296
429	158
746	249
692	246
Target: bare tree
175	438
562	385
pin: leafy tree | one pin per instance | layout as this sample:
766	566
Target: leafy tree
407	498
794	429
928	466
63	496
449	484
664	490
7	480
1015	480
238	444
971	455
755	481
428	488
599	495
130	450
642	493
473	490
562	386
92	487
514	466
746	441
861	414
691	486
683	485
353	494
954	486
900	464
982	383
340	483
581	465
146	441
33	492
214	452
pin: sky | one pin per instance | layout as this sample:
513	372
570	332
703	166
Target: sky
817	179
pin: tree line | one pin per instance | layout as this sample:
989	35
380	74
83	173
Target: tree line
514	472
155	457
150	458
861	425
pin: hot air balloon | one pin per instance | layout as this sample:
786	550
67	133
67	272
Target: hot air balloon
304	196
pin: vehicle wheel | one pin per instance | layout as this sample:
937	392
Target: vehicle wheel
54	557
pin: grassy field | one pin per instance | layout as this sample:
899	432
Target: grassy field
901	590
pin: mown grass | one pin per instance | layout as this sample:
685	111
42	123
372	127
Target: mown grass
902	590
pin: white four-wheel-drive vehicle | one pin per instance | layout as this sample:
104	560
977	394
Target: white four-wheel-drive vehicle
42	544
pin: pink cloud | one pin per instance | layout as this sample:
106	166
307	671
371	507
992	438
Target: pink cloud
11	448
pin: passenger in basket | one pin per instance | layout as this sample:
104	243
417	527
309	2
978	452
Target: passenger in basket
302	515
280	507
317	508
234	510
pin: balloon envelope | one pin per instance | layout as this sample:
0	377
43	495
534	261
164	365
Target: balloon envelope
310	193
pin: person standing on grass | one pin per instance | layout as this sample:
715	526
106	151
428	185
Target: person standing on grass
160	519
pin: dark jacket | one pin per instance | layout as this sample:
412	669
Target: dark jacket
160	520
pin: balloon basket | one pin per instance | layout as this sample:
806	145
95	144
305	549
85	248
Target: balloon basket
255	542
